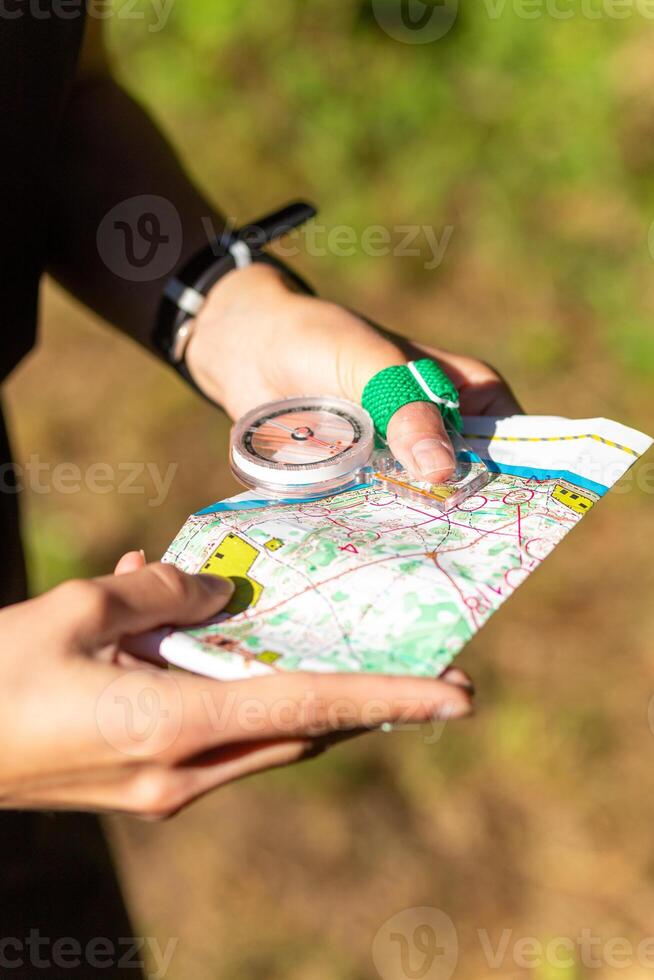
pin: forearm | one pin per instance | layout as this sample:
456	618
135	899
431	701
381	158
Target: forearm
110	151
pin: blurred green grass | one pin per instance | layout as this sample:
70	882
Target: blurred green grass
534	140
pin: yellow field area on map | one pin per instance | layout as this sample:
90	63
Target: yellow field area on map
233	559
570	496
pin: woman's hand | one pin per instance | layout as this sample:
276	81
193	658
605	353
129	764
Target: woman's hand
256	340
87	726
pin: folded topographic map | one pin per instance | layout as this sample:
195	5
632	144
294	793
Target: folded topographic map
365	581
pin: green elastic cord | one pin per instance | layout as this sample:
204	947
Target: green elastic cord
419	381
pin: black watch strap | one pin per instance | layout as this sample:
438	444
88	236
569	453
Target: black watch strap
185	293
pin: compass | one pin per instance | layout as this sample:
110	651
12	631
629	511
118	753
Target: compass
302	447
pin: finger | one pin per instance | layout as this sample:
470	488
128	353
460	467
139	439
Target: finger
149	714
130	562
453	675
486	393
306	705
416	434
481	389
417	438
135	649
189	782
157	792
108	608
492	398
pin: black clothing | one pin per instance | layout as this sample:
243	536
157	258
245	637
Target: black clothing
38	57
55	870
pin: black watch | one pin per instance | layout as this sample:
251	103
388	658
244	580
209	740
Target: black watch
185	293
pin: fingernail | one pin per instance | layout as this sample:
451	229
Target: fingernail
458	678
433	457
216	585
312	750
453	709
142	554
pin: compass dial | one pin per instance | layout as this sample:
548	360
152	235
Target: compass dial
303	437
310	443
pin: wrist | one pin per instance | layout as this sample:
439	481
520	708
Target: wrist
251	288
185	293
247	306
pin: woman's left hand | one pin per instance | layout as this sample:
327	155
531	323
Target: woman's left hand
256	340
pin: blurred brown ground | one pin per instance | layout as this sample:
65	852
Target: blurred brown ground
536	816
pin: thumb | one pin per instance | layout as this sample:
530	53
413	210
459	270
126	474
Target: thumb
130	562
417	438
416	433
157	595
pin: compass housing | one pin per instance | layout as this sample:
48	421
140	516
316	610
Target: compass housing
302	447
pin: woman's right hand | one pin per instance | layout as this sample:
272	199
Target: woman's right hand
86	726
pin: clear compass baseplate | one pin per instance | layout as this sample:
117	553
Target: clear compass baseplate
471	475
316	446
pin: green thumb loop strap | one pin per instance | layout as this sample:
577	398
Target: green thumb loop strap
418	381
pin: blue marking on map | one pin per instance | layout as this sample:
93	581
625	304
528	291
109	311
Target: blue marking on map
526	472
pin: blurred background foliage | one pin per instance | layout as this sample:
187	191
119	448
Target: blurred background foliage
533	139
